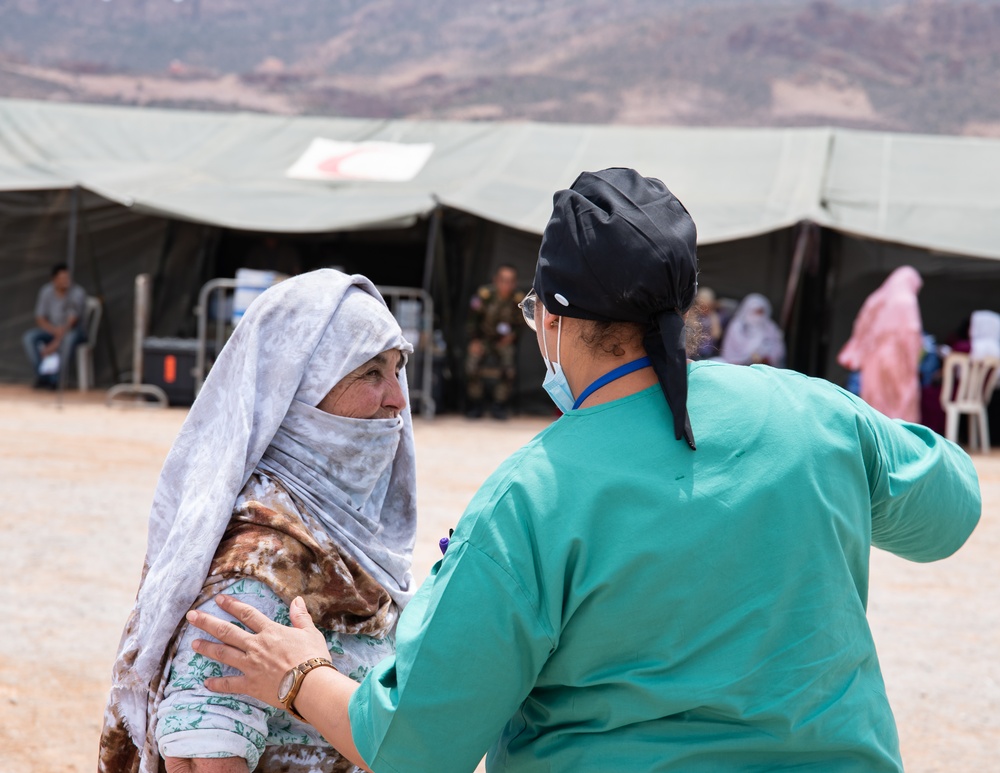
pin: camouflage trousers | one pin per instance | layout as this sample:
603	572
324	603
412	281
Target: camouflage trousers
497	367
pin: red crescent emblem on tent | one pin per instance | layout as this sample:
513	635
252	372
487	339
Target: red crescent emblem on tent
332	164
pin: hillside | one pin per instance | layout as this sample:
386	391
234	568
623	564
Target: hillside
924	66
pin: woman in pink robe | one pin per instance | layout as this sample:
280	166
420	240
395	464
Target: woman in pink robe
886	346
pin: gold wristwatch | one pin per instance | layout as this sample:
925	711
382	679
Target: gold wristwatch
291	683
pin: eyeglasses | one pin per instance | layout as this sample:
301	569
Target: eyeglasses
527	307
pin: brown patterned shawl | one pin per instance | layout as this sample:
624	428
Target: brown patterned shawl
292	554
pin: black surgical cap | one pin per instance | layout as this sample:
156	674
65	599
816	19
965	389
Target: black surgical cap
620	247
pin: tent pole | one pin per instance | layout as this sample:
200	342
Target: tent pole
96	278
433	234
805	231
74	216
831	250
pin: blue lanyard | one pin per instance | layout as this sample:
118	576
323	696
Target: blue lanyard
612	375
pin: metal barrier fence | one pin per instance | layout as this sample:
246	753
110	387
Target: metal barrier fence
412	307
137	393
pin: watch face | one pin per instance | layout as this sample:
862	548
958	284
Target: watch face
286	684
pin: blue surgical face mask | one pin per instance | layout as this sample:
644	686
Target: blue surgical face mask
555	382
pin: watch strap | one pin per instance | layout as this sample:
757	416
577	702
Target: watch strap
300	674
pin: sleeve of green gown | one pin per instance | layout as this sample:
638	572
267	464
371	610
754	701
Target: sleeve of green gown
925	491
469	647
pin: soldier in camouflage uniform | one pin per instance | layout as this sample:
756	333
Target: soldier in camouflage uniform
491	360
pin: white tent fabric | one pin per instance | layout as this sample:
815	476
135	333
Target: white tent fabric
228	169
936	192
736	183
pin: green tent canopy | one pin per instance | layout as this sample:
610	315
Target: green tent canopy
146	180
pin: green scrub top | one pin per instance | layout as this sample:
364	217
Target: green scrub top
612	600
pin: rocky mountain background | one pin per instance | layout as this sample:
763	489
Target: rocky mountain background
929	66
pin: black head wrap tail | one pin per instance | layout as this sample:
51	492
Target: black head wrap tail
665	346
621	247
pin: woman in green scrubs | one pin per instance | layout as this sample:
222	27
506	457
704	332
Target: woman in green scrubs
671	577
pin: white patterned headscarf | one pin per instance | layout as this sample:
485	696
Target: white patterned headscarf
295	342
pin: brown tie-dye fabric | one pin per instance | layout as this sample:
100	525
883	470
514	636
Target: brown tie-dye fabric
292	554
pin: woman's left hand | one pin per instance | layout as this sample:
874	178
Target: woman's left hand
264	654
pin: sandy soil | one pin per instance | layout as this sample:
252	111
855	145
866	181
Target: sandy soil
78	480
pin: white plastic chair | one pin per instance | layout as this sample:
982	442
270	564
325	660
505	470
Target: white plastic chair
966	388
85	351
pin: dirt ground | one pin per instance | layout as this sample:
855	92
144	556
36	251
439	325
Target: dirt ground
78	479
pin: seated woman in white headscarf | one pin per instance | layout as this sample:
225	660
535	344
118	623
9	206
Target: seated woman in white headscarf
984	332
752	337
293	475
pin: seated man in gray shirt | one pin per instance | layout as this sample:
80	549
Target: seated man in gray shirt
58	317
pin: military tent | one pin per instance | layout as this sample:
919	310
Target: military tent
812	217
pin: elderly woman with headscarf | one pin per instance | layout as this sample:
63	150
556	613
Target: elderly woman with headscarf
292	476
670	577
886	346
752	337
